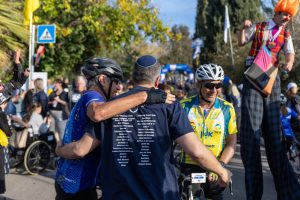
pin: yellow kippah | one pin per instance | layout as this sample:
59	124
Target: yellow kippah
289	6
3	139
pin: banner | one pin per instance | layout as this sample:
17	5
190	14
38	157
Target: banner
29	7
226	25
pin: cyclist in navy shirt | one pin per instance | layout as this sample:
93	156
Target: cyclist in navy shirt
80	151
137	160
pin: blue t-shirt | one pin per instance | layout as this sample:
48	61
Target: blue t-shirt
137	154
286	122
79	174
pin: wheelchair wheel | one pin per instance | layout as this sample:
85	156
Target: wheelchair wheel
37	157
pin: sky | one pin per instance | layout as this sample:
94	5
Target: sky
180	12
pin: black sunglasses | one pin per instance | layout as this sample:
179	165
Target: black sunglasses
116	81
213	85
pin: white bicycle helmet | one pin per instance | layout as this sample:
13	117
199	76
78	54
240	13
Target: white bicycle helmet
210	72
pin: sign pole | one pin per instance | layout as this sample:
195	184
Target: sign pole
231	49
31	49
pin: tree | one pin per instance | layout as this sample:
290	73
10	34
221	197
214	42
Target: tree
96	27
127	56
13	33
179	48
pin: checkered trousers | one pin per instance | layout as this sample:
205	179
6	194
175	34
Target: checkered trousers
261	115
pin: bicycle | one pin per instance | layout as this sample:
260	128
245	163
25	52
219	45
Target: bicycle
294	154
191	182
193	186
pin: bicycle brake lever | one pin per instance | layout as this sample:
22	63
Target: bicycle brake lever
230	187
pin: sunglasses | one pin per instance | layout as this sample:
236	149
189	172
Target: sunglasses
213	85
116	81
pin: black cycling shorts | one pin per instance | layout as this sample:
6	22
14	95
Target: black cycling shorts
89	194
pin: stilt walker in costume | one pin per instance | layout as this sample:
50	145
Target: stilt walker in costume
261	102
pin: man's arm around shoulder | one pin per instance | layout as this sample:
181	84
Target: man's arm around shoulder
101	111
78	149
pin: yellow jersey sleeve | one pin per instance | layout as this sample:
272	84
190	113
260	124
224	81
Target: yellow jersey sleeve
232	127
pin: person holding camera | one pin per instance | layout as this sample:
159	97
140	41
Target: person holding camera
6	92
59	107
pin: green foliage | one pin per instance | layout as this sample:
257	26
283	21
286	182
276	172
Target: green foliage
179	48
223	58
89	28
13	34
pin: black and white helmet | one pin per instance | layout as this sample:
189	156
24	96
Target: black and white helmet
210	72
96	66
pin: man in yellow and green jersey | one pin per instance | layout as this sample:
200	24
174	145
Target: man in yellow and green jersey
214	122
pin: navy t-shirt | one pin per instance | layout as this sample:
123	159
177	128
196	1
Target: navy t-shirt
41	97
137	155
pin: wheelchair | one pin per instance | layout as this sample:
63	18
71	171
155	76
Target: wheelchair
293	152
33	151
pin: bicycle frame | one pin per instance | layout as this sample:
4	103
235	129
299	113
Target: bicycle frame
189	183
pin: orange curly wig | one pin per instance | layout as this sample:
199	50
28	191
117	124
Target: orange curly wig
289	6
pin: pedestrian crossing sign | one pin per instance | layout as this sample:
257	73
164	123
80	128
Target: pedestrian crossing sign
46	34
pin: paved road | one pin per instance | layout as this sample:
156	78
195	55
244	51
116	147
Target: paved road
238	171
21	186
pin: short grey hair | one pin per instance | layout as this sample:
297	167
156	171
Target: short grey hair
92	82
80	77
146	74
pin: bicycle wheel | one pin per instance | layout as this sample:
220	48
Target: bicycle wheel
37	157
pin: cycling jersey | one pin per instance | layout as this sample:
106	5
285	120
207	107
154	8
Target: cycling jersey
79	174
212	127
286	122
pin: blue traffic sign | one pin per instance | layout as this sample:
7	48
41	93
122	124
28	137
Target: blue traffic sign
46	34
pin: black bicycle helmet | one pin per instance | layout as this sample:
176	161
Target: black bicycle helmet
95	66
